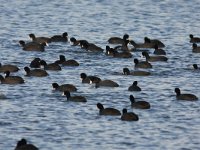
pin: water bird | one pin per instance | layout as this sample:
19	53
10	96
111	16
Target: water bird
194	39
64	87
159	51
107	111
39	39
142	64
154	42
35	72
76	98
11	79
139	104
126	71
60	38
35	63
154	58
8	67
22	145
76	42
188	97
106	83
89	79
195	48
50	66
90	47
118	40
33	46
134	87
129	116
62	60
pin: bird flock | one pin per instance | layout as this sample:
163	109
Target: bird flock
118	47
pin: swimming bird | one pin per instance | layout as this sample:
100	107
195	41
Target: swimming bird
154	41
35	72
106	83
116	54
118	40
142	64
194	39
154	58
35	63
129	116
51	66
195	48
64	87
126	71
134	87
89	79
91	47
159	51
139	104
11	79
39	39
195	66
22	145
74	98
32	46
76	42
8	67
141	45
64	62
107	111
60	38
188	97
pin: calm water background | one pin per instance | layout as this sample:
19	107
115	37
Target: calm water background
46	119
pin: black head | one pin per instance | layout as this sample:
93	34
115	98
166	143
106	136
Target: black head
136	61
107	48
194	45
7	73
62	58
178	91
195	66
22	142
132	99
43	63
124	111
191	36
147	40
27	69
0	64
72	39
35	63
55	85
32	36
65	34
100	106
83	75
126	71
125	37
135	83
22	43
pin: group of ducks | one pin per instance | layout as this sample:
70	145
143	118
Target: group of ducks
122	50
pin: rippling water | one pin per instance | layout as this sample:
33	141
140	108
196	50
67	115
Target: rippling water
46	119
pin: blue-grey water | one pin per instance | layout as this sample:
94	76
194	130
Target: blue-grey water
42	116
